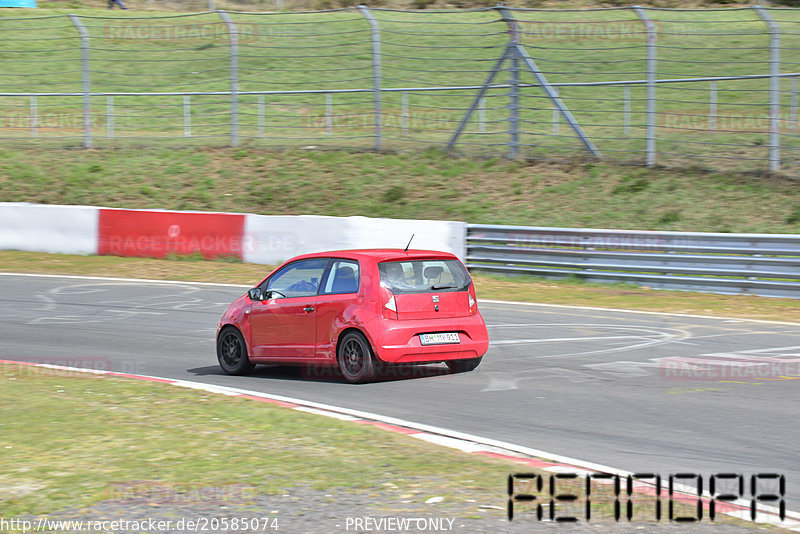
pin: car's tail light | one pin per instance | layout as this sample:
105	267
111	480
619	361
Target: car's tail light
473	303
389	309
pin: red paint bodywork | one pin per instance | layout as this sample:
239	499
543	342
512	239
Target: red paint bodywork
283	333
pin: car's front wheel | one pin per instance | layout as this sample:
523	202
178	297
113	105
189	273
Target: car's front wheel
355	358
232	352
463	366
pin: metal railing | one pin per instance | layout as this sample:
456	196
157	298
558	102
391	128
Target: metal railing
713	88
760	264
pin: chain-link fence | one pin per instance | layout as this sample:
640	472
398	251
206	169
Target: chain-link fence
707	88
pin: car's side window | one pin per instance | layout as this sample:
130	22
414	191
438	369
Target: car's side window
298	279
342	278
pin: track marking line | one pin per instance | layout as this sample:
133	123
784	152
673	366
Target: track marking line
621	310
487	301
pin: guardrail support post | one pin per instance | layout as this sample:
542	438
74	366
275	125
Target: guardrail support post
650	28
234	68
376	73
774	88
86	81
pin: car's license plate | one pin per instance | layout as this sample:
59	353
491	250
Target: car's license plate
440	338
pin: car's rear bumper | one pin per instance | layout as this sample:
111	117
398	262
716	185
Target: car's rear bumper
400	340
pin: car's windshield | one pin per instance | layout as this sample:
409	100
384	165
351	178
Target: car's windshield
422	276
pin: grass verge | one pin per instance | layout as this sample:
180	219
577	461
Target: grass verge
62	456
62	452
519	289
422	185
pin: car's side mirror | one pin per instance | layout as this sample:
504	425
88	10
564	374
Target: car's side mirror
255	294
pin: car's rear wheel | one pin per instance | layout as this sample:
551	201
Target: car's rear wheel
232	352
463	366
355	358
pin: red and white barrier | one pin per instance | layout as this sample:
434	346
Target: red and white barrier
272	239
253	238
155	234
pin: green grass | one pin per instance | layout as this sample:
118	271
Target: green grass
62	454
422	185
160	51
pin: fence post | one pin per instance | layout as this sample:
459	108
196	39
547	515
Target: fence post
261	115
328	113
513	108
234	67
405	114
86	81
650	28
110	117
482	115
774	88
626	109
793	105
34	117
712	106
556	116
376	73
187	115
514	50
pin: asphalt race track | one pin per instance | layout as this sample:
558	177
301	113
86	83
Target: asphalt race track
601	386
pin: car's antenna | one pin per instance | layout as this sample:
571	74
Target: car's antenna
409	243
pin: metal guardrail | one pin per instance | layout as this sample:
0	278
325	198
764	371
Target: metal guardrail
759	264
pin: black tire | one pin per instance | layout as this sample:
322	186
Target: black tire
355	358
232	352
464	366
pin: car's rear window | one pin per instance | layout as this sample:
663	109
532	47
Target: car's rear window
423	276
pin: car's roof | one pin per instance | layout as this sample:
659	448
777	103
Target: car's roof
381	254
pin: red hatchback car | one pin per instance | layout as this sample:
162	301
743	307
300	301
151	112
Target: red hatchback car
358	310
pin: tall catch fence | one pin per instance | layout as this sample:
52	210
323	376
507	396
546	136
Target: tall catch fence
708	88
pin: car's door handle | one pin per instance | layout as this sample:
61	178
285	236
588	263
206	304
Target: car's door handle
308	309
